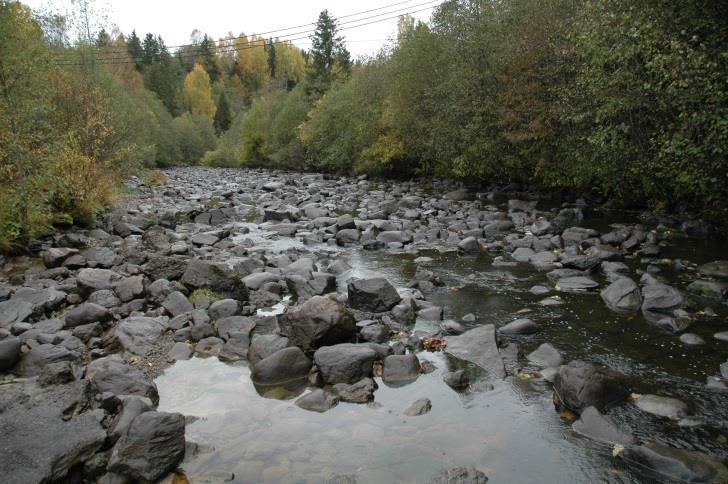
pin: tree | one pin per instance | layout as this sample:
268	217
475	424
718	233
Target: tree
206	51
329	58
198	94
271	48
150	50
134	46
103	38
223	117
26	132
164	77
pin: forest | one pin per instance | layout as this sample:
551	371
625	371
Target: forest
620	101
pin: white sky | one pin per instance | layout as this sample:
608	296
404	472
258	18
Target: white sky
174	20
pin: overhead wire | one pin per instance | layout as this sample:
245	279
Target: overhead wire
232	48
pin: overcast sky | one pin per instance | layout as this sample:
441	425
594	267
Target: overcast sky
174	20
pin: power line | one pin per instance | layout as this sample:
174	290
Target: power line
258	43
240	37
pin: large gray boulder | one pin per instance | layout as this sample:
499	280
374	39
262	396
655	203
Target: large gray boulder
671	463
33	362
91	280
582	384
375	294
86	313
659	297
400	369
28	303
601	428
345	363
113	374
717	269
139	335
216	276
9	352
317	322
40	441
480	346
283	366
264	345
152	447
622	295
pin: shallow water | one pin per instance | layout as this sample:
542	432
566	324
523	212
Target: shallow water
511	432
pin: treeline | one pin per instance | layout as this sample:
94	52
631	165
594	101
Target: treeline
623	100
620	99
77	117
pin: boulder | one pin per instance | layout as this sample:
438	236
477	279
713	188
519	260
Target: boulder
41	441
345	363
669	462
262	346
9	352
659	297
400	369
419	407
479	346
545	356
90	280
216	276
86	313
457	379
177	303
152	447
469	245
283	366
582	384
139	335
130	288
519	326
317	322
375	294
33	362
576	284
359	392
661	406
459	475
622	295
601	428
317	400
717	269
113	374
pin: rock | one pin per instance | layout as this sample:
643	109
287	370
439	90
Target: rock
576	284
659	297
54	257
180	351
601	428
162	267
209	346
344	363
14	311
283	366
469	245
9	352
519	326
717	269
419	407
33	362
40	441
721	336
58	373
177	303
459	475
375	333
661	406
139	335
359	392
582	384
522	254
317	400
669	462
691	339
456	379
130	288
90	280
545	356
479	346
225	327
152	447
724	370
375	294
256	280
40	301
131	407
223	308
319	321
400	369
86	313
113	374
262	346
622	295
709	289
394	236
217	277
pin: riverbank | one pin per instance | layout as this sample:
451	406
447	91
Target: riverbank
521	299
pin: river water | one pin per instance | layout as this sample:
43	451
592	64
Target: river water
510	430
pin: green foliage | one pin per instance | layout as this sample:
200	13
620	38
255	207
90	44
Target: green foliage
328	58
208	294
195	135
223	115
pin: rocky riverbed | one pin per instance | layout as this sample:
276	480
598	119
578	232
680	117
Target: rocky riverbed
260	326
